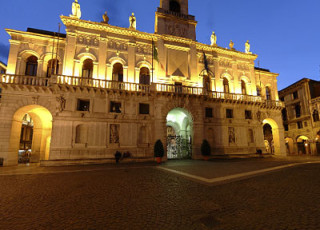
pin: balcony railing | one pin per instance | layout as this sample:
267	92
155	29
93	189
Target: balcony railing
133	87
24	80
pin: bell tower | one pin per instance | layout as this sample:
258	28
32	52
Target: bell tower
172	18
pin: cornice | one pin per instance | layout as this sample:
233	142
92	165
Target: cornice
69	21
31	35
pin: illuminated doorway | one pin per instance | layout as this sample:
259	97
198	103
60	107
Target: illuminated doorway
25	146
268	138
303	145
179	134
30	136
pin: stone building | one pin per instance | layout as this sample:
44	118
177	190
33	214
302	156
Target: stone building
81	96
301	117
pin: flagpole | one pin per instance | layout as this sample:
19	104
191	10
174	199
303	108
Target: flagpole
152	59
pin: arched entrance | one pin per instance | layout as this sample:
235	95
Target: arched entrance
289	146
271	137
30	136
179	134
303	145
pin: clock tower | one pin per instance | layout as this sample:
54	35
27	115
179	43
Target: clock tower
172	18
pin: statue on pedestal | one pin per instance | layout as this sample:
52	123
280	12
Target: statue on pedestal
213	39
105	18
247	47
231	45
76	11
133	22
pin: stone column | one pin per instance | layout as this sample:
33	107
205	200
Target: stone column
109	72
125	74
69	53
137	78
95	70
103	50
77	67
18	67
13	55
40	68
131	61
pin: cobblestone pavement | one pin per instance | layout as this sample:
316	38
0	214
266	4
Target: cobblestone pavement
146	198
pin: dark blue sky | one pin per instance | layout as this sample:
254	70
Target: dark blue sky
284	33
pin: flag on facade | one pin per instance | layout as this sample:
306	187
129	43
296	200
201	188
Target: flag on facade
205	61
154	52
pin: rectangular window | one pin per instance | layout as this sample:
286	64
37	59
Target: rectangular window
209	112
144	108
248	114
299	124
83	105
229	113
286	127
115	107
295	95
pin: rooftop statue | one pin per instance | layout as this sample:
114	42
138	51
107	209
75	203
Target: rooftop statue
133	22
105	18
76	11
231	44
213	39
247	47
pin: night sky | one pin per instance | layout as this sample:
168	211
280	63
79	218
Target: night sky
284	33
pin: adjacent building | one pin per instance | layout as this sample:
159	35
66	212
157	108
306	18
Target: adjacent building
301	117
81	96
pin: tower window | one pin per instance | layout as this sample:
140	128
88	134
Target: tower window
175	6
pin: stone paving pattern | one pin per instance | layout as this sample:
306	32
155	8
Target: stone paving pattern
148	198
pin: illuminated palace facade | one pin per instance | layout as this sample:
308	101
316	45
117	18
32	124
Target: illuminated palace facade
81	96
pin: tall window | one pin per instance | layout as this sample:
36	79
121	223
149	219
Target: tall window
53	67
258	91
268	94
298	110
117	72
87	68
225	85
144	76
243	87
284	115
32	66
315	115
175	6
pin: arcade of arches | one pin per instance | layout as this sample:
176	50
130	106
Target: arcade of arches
303	145
179	134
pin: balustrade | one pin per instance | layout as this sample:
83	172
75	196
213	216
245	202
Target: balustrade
128	86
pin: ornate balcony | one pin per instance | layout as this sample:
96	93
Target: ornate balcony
7	79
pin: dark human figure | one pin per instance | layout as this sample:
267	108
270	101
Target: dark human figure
117	156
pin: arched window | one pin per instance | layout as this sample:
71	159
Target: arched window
87	68
175	6
258	91
243	87
268	94
144	76
32	66
315	115
81	134
226	85
53	67
117	72
298	110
